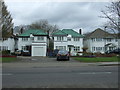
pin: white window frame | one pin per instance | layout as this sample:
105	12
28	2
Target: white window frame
76	39
24	48
40	38
76	48
24	39
60	38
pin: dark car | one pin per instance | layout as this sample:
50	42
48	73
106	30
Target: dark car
22	52
63	55
115	51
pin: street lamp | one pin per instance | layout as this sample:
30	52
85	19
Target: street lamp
105	39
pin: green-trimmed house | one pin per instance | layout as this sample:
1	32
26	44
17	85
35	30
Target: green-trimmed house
33	40
68	39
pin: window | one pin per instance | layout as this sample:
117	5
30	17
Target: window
24	48
41	38
76	39
76	48
99	48
99	39
68	39
93	39
109	39
3	48
60	38
61	47
93	48
24	39
32	38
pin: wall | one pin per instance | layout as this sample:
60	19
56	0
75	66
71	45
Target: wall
10	43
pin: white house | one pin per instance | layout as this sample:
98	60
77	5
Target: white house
33	40
68	39
7	44
100	41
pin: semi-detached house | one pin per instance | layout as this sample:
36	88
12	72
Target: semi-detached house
33	40
68	39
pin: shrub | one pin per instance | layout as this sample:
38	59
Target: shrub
6	52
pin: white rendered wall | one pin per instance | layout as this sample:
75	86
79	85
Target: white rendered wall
9	43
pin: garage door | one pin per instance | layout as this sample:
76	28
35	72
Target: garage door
38	51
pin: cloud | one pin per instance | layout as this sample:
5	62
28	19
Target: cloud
73	15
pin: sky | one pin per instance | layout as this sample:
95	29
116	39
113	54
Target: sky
66	15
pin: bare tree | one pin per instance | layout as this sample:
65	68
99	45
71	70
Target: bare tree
44	25
112	13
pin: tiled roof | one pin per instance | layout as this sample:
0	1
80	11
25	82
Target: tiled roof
34	32
59	33
67	32
72	33
99	33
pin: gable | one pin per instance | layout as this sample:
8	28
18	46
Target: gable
99	33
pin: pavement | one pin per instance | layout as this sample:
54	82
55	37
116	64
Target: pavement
52	62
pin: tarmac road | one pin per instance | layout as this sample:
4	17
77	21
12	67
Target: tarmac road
65	74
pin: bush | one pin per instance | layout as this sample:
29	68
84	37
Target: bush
6	52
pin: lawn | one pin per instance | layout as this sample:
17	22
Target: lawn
97	59
7	59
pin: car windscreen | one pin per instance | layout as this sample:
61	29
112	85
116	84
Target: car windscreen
63	52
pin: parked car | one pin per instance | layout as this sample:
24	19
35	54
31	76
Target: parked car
115	51
63	55
22	52
18	52
25	53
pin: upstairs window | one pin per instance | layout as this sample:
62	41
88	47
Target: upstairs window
40	38
109	39
99	39
24	39
60	38
68	39
76	39
93	39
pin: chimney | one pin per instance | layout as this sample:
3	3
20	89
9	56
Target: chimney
21	30
80	31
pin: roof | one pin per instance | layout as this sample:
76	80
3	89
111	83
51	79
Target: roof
59	33
66	32
99	33
34	32
72	33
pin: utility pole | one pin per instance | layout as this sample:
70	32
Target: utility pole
105	39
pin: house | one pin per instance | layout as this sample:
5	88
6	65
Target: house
7	44
68	39
33	40
100	41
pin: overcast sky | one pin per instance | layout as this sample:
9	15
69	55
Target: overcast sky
67	15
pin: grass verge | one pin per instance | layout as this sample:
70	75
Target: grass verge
97	59
7	59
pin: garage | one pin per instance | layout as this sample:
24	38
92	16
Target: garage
38	51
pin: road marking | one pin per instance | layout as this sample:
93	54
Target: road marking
96	73
6	74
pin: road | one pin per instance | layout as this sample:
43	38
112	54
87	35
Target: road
48	73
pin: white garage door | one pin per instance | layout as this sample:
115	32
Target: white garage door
38	51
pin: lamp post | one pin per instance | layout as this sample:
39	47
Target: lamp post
105	39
